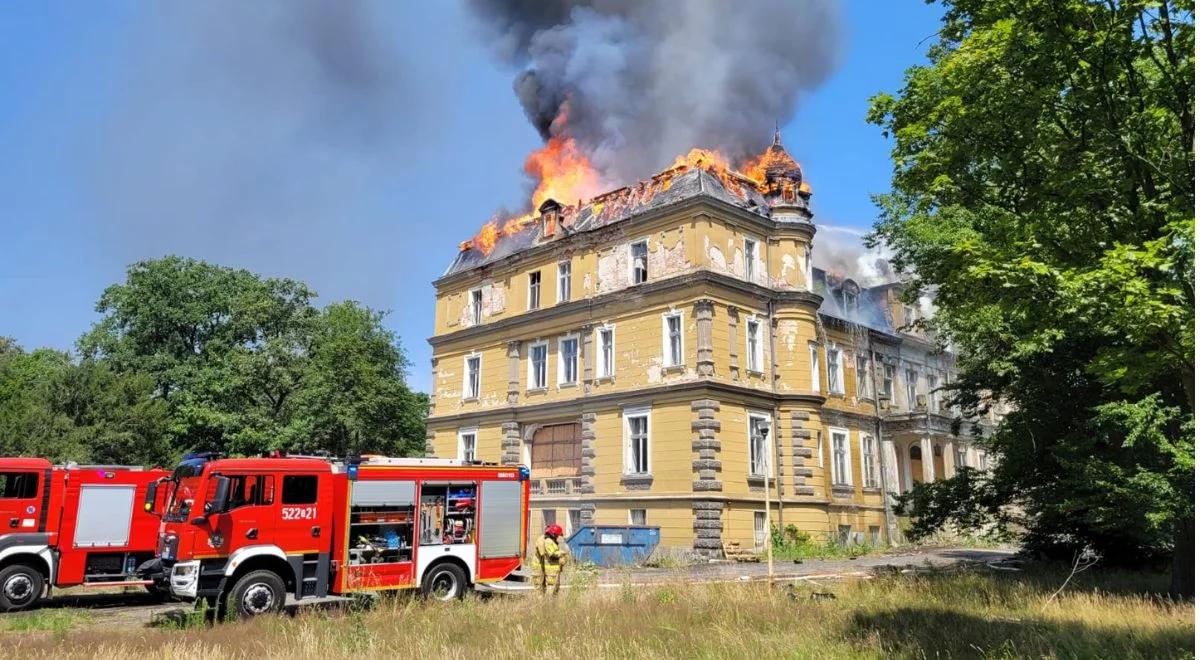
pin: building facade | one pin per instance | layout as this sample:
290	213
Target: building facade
661	354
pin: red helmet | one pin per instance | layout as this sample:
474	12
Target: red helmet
553	530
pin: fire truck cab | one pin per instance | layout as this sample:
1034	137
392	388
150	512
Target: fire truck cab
63	526
245	533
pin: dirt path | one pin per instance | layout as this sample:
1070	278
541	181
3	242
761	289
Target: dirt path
110	609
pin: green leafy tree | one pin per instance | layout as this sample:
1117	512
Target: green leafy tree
247	364
1043	185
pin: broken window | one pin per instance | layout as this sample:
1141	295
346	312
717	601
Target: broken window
673	339
466	445
637	442
564	281
760	432
638	255
605	357
862	377
476	306
751	256
568	360
535	289
537	365
870	465
839	439
471	376
754	359
815	365
833	356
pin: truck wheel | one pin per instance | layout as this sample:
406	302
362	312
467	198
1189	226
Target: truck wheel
444	582
20	587
257	592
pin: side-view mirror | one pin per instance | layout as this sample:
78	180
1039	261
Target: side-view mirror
151	497
220	497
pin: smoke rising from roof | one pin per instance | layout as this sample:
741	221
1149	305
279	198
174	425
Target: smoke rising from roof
840	251
647	81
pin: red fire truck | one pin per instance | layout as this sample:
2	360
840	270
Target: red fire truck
71	525
244	533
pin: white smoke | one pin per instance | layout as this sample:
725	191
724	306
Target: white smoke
646	81
842	252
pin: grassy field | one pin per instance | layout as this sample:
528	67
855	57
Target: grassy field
937	615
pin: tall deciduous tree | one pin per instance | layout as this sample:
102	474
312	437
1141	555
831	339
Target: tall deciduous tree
1044	178
247	364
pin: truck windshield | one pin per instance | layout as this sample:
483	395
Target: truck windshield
184	486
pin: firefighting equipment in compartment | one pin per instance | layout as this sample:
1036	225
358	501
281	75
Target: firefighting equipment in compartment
550	559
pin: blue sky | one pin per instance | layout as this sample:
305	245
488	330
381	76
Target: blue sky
117	145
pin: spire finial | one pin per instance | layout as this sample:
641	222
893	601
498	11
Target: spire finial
776	142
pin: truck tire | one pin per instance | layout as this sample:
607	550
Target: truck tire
255	593
20	587
444	582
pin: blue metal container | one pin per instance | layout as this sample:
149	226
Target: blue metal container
613	545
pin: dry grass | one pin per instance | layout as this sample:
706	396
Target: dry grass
964	614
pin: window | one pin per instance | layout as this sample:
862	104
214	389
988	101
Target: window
815	365
466	445
637	517
250	490
18	485
839	440
471	367
605	361
638	254
983	460
537	365
637	441
754	346
910	384
760	463
751	256
568	360
574	520
300	489
960	458
863	377
889	376
808	274
476	306
932	398
844	532
535	289
564	281
870	465
760	527
673	339
549	517
833	356
849	301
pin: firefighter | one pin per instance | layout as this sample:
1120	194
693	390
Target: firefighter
550	559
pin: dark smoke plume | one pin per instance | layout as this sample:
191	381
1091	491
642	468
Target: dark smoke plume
647	80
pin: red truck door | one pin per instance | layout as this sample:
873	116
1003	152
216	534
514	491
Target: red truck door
249	515
23	495
304	513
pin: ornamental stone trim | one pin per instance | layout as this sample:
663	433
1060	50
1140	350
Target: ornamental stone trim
637	482
587	464
706	465
707	527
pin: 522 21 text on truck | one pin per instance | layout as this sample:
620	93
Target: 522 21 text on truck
244	533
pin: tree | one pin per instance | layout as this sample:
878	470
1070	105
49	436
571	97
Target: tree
247	364
53	406
1043	184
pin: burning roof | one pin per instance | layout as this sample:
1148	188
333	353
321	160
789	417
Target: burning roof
771	179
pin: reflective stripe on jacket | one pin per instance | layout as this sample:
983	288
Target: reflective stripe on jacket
548	551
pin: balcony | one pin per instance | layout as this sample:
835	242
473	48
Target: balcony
556	486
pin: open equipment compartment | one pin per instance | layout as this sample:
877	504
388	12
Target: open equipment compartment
381	522
448	513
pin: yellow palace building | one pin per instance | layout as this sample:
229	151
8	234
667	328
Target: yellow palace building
660	354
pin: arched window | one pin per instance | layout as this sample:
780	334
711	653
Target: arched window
914	452
937	451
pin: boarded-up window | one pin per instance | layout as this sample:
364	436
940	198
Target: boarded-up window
556	451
